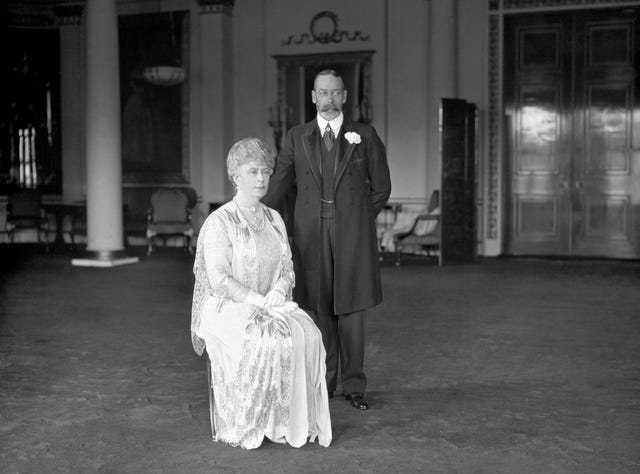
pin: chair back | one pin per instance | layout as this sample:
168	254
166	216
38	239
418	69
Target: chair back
434	201
169	205
24	203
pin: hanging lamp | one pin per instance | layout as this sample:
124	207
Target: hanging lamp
167	75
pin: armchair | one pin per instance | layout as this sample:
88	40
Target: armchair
25	211
169	215
425	230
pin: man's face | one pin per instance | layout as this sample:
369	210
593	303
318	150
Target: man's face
329	96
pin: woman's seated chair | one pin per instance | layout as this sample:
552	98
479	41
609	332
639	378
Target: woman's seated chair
212	400
169	215
425	230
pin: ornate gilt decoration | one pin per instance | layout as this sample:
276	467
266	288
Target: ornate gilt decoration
216	6
323	29
68	14
23	15
494	105
540	4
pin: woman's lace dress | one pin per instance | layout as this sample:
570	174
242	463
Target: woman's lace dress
268	366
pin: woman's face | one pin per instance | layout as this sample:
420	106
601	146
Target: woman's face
252	179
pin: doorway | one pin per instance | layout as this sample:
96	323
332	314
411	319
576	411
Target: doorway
573	142
296	74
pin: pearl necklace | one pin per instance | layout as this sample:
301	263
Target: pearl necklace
258	223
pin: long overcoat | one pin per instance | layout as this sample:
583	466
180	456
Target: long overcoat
362	187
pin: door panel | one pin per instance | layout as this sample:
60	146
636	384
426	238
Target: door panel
571	95
605	164
536	92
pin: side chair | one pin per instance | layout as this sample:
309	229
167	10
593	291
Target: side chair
169	215
25	211
425	230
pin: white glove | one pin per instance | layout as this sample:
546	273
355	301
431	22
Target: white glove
255	299
274	298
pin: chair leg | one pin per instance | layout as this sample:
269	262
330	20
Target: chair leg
189	246
46	240
397	255
211	399
149	246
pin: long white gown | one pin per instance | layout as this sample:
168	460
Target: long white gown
268	366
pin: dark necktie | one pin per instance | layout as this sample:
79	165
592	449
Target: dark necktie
328	137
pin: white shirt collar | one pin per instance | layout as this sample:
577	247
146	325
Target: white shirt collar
335	124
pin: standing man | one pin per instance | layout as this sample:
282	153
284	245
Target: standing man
339	171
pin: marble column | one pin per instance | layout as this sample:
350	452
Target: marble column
104	164
443	77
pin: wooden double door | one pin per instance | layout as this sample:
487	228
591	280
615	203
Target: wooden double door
572	115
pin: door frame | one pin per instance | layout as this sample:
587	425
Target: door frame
495	144
295	76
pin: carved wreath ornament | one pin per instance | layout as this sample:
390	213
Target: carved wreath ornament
324	29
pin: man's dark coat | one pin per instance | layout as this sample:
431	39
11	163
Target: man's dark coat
362	187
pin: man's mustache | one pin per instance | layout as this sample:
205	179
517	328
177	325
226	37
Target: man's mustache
329	107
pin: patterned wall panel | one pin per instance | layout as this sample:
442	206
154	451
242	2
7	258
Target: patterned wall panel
495	106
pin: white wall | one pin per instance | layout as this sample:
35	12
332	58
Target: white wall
407	99
250	58
221	113
473	72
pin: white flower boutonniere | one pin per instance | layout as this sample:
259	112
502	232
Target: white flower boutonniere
352	137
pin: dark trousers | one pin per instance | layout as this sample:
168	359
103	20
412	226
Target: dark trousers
343	335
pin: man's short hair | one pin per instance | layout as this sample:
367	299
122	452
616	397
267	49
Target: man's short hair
327	72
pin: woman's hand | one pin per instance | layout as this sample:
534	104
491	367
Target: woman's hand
255	299
274	298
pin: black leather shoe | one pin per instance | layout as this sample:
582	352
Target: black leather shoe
357	400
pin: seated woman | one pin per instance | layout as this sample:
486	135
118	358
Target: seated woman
267	357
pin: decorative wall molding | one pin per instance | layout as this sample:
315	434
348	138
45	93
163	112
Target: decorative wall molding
40	15
216	6
323	29
26	16
494	115
547	4
68	14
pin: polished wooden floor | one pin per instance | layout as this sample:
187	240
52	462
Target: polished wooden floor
504	365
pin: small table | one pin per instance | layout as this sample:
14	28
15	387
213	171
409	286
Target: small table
61	208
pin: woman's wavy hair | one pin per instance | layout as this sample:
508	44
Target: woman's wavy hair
246	151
